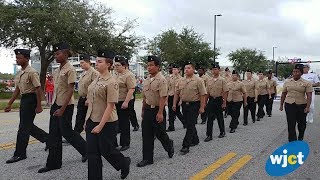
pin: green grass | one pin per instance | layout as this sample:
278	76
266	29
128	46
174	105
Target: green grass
4	104
6	95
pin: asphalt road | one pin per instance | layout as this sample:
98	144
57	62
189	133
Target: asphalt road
241	155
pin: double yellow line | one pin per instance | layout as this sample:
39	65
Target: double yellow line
229	172
13	144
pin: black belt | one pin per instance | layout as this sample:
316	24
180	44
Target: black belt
28	94
83	97
218	97
190	102
151	106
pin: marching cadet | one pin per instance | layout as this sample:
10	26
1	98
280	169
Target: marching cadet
85	80
155	91
62	110
297	96
217	94
264	95
27	84
236	96
132	112
252	98
227	76
192	92
172	81
102	120
204	77
273	91
314	79
127	84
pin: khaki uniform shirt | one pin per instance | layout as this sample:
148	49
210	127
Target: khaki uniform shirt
205	79
251	86
236	91
27	80
154	88
263	87
173	80
103	90
190	89
126	81
216	86
62	78
296	90
273	84
85	80
228	78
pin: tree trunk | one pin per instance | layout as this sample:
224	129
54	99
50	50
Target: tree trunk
45	61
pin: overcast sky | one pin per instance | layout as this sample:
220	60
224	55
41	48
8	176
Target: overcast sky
290	25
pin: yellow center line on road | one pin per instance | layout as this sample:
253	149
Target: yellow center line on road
209	170
234	168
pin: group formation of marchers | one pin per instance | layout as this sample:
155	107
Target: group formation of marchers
106	101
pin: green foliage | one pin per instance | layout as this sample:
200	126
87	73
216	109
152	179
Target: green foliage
177	48
5	76
4	104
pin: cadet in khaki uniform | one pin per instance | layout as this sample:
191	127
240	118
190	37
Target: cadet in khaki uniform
192	91
85	80
155	91
172	81
102	120
273	91
236	96
127	84
62	110
263	95
28	85
205	78
252	98
297	96
228	78
217	95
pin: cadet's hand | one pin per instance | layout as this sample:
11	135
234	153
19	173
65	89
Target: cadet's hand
124	105
306	110
84	125
281	108
142	112
255	100
174	108
245	104
97	129
87	102
201	110
180	102
224	105
8	108
39	109
58	112
159	117
270	97
166	103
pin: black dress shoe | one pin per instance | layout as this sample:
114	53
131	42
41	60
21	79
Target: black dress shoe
170	129
136	128
245	124
171	151
194	144
126	169
84	159
258	119
209	138
253	121
184	151
269	115
144	163
123	148
232	131
15	159
223	134
46	169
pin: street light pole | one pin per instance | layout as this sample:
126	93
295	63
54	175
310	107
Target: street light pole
214	37
273	52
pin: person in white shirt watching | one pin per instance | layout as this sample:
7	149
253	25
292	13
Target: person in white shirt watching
314	79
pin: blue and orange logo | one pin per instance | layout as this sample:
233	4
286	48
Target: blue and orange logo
287	158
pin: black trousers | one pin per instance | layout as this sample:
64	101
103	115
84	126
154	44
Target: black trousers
174	114
227	111
124	124
235	113
215	110
190	111
102	145
262	100
252	106
27	114
132	114
295	115
204	115
269	104
81	114
151	128
58	127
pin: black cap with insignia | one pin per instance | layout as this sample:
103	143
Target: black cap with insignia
85	57
299	66
260	72
227	69
24	52
156	59
249	70
234	72
215	65
188	63
61	46
269	72
106	54
121	59
174	66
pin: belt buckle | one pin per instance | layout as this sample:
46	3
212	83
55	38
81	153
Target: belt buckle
187	103
152	106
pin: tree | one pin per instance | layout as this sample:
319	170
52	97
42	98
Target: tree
177	48
245	58
284	70
42	23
